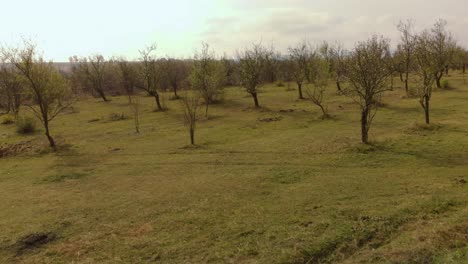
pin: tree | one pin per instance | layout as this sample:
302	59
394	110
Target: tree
368	78
176	72
320	76
444	48
338	58
251	66
300	56
49	91
208	76
428	68
128	77
11	90
190	104
150	74
94	69
406	48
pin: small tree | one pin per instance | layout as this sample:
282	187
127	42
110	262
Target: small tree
49	90
190	104
150	74
300	57
368	77
208	76
128	77
320	77
176	72
251	65
427	69
338	59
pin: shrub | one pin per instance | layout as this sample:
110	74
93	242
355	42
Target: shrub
445	84
8	119
25	125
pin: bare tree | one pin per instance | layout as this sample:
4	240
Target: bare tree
190	104
444	47
151	75
300	57
94	69
128	76
406	48
338	58
208	76
427	69
49	90
368	77
251	65
320	76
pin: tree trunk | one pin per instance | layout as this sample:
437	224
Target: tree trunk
192	136
364	124
206	109
49	137
299	88
401	77
438	78
158	102
338	86
446	69
464	68
426	109
103	96
174	87
255	98
406	83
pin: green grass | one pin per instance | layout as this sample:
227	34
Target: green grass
297	189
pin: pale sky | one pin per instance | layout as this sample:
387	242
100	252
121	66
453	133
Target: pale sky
62	28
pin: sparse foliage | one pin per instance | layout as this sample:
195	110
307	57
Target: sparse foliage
190	104
368	78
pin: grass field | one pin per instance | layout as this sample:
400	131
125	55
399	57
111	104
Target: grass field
297	189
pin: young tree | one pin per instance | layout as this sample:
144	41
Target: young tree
444	48
128	76
406	48
368	77
190	103
151	75
428	67
300	57
251	65
94	69
208	76
49	90
320	76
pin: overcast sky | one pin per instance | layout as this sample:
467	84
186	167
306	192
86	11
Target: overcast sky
63	28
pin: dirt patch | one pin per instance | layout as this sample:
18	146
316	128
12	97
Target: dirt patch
33	241
270	119
14	149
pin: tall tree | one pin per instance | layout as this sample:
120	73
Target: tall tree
252	63
444	48
406	48
368	77
208	76
94	69
300	57
151	75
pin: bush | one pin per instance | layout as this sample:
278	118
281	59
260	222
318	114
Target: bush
8	119
25	125
445	84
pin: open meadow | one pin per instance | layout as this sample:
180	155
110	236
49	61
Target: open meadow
271	185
